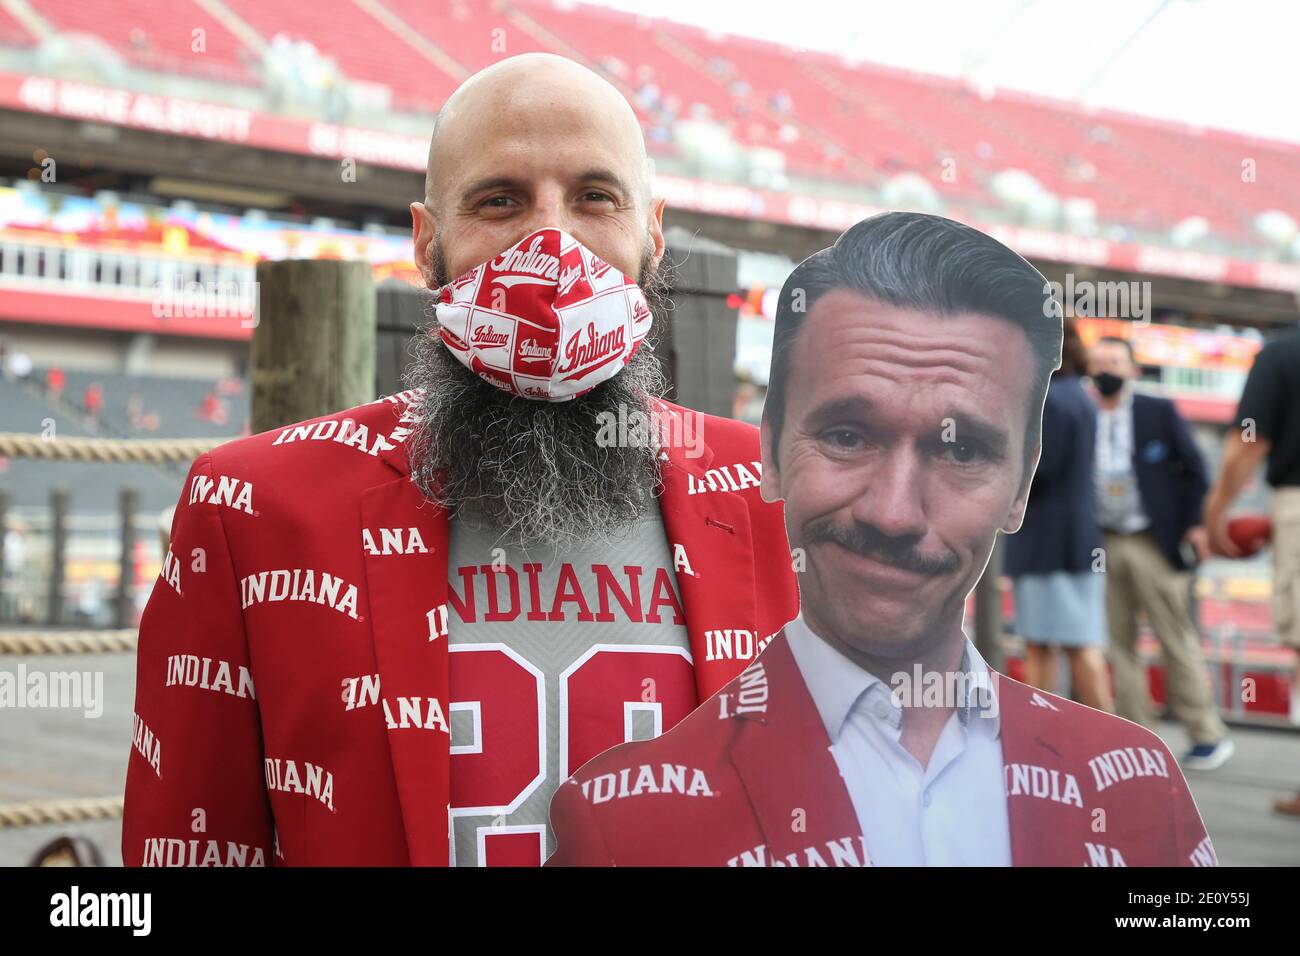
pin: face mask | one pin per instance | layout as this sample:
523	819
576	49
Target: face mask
546	319
1107	383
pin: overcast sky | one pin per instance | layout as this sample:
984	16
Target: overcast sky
1228	64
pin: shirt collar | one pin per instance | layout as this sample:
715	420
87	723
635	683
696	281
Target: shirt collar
837	684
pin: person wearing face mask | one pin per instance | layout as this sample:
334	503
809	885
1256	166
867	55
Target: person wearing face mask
382	637
1151	483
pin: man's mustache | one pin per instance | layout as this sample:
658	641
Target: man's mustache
869	542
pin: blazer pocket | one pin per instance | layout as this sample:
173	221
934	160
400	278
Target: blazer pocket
1155	451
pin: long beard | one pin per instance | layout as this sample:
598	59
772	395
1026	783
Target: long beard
533	471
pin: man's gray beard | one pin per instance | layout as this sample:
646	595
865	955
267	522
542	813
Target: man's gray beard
531	470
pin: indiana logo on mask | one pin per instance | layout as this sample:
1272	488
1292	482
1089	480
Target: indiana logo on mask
546	319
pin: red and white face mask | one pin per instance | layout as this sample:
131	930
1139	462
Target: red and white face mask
546	319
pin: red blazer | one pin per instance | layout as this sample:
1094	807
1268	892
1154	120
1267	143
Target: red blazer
725	787
291	689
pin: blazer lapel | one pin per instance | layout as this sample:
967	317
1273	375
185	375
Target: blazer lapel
709	535
1042	829
407	594
783	759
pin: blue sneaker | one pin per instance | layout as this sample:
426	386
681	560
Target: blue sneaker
1209	756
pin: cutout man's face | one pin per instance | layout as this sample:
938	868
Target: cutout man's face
900	457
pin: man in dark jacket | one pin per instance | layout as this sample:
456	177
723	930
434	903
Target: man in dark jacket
1152	482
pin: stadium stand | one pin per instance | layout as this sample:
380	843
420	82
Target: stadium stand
830	120
157	36
12	32
163	407
474	34
93	487
365	48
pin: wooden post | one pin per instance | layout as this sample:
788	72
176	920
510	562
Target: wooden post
988	610
699	346
124	605
401	311
59	498
313	349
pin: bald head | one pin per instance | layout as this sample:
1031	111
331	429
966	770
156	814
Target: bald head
525	91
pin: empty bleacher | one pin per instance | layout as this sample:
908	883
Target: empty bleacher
175	404
364	48
828	118
153	35
168	407
92	486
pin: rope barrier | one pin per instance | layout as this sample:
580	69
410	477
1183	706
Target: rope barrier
68	642
153	451
76	810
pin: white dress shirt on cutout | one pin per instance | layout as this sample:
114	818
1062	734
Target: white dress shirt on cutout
952	812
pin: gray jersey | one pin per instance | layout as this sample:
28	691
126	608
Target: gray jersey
554	659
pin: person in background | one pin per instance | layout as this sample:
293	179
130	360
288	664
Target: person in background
1268	419
1152	482
747	403
134	409
19	365
55	379
213	409
13	560
1060	596
93	400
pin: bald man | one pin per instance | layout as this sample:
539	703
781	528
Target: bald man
534	142
382	637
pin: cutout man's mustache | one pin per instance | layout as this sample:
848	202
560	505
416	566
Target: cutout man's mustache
869	542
